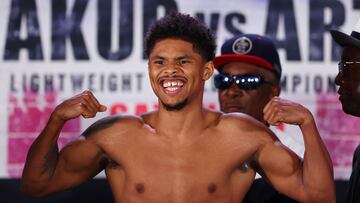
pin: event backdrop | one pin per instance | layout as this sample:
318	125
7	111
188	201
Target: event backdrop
53	49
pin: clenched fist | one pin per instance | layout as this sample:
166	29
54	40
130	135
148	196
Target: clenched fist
279	110
84	104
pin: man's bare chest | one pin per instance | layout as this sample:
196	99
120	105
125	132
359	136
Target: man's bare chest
156	166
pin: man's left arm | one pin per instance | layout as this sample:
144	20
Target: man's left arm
307	180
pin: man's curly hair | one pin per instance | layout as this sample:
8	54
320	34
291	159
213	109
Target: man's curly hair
182	26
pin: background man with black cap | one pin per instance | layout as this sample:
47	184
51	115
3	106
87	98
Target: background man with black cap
348	79
254	59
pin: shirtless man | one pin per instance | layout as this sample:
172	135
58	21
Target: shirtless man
182	152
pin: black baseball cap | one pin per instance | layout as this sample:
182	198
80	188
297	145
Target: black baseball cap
352	40
250	48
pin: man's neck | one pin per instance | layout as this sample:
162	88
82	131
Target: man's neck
181	123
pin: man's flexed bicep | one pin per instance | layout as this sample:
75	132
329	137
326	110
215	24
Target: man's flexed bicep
313	177
282	168
77	163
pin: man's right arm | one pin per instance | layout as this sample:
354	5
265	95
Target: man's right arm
46	169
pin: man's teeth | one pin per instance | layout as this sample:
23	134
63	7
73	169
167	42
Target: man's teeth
173	84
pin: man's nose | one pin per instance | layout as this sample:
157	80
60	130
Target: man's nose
234	90
339	79
172	68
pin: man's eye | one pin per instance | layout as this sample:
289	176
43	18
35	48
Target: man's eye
159	62
184	61
345	71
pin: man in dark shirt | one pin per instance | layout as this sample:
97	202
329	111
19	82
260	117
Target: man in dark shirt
348	80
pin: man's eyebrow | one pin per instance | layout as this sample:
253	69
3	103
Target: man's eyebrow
157	57
183	57
176	58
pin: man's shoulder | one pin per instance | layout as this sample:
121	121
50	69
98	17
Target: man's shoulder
240	120
245	126
356	157
114	123
357	152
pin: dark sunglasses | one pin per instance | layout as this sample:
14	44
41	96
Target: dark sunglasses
344	65
224	81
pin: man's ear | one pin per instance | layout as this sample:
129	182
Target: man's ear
208	70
